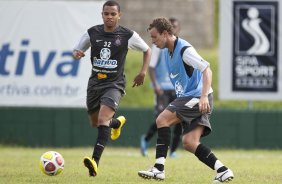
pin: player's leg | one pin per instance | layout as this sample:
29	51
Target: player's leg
160	104
175	139
112	100
101	108
191	142
164	121
145	138
103	121
93	106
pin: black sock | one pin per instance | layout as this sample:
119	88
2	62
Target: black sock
160	167
162	145
102	139
115	123
205	155
152	130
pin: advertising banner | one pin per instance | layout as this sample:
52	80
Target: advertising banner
249	50
36	42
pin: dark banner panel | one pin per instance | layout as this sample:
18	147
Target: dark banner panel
255	42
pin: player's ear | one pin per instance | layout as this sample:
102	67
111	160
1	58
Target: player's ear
119	14
165	33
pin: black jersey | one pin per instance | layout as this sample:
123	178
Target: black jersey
108	54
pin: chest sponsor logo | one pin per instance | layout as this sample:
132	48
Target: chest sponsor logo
105	61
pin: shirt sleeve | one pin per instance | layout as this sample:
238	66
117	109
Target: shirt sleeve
137	43
155	56
84	43
192	58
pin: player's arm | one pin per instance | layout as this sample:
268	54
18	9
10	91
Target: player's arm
82	45
207	80
192	58
137	43
153	63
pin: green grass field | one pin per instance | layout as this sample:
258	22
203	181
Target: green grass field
120	166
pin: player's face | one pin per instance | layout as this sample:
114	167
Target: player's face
157	38
110	15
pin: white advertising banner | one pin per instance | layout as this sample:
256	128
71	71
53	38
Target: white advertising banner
36	41
250	50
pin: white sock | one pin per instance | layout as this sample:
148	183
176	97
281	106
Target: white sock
218	165
160	160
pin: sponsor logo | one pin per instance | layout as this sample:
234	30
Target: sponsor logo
101	76
255	58
173	76
41	65
105	63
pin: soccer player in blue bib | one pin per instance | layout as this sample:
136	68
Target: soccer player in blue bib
164	94
191	76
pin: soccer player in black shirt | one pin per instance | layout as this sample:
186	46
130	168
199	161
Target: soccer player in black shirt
109	44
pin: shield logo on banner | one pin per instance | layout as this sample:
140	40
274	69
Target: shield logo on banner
255	35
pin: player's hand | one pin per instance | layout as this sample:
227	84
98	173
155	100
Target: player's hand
159	91
138	80
204	105
77	54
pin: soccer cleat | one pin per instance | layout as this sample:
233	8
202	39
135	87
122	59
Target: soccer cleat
152	173
91	166
173	155
143	146
115	132
224	176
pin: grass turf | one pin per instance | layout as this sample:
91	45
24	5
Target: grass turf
120	166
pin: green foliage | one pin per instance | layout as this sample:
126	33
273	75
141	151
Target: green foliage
143	96
120	166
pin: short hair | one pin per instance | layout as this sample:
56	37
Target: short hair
173	20
161	24
112	3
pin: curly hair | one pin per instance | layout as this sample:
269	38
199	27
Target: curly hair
161	24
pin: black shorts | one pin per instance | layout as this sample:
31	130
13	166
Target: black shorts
109	97
190	115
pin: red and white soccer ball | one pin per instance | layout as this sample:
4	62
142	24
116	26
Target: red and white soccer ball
51	163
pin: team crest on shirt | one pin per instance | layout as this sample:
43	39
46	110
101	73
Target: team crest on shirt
105	53
178	89
118	40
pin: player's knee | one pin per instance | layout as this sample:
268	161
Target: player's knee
103	121
190	144
93	120
187	145
93	124
161	122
